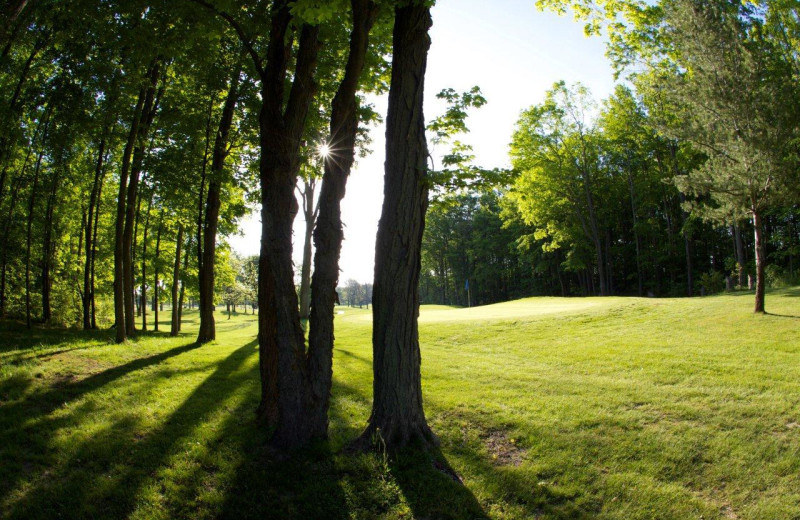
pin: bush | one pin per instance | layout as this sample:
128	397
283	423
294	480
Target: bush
776	277
712	282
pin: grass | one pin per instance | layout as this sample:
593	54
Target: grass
614	408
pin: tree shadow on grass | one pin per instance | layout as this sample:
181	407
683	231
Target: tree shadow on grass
432	487
16	336
29	427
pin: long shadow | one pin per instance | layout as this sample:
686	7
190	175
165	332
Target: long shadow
782	315
106	476
25	436
431	487
16	336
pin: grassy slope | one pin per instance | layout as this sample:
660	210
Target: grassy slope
597	408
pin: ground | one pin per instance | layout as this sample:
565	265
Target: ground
613	408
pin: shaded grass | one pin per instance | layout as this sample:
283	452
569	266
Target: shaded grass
545	408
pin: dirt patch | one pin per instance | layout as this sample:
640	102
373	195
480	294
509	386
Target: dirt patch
502	448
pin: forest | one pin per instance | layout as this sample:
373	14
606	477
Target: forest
136	137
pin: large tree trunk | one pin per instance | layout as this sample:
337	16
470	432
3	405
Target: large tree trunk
121	308
176	276
281	339
207	330
761	259
328	233
397	413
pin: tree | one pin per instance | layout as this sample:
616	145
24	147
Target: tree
397	414
738	96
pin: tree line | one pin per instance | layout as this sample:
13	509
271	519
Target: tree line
682	182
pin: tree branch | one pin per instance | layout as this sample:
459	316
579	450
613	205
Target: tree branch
237	27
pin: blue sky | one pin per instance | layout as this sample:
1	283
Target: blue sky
514	53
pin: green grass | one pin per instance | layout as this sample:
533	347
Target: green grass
614	408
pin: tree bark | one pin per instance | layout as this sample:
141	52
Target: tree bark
281	339
310	215
183	284
740	259
88	291
143	296
121	308
31	205
397	412
176	276
761	259
328	233
207	330
147	115
47	250
155	270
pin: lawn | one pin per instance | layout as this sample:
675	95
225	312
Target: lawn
613	408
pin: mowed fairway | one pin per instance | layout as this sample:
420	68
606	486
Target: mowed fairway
618	408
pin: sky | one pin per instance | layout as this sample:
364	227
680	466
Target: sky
508	48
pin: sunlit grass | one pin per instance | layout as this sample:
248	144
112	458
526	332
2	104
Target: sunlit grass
545	407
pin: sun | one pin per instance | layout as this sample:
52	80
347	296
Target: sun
324	150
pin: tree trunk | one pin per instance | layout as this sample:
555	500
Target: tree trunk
328	233
310	215
761	259
183	284
121	307
176	276
740	259
143	296
397	412
88	292
155	270
31	205
281	339
640	288
207	330
47	250
6	230
147	114
94	248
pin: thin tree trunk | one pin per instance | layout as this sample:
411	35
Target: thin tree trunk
740	259
328	233
397	412
761	259
143	299
88	295
155	270
147	115
183	283
47	250
31	204
176	276
94	252
121	307
207	330
310	216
